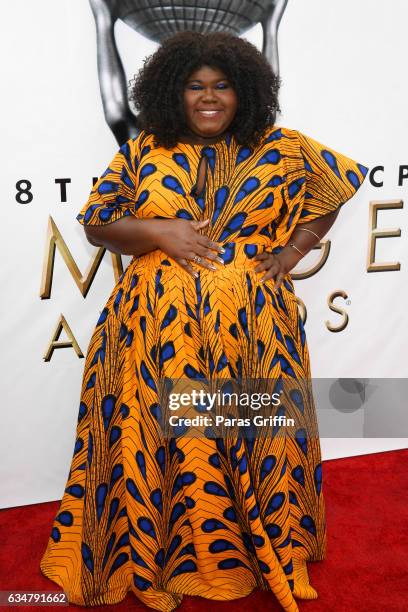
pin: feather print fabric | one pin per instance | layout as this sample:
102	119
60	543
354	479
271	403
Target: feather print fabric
167	517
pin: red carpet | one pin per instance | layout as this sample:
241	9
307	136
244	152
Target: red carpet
366	569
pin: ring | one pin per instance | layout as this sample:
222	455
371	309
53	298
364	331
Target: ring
197	259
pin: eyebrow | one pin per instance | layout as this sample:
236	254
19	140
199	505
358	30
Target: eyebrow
200	81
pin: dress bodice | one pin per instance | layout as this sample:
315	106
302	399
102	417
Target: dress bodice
240	196
252	195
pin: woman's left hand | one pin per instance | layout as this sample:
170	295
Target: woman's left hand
275	268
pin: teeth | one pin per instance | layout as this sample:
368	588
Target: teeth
209	113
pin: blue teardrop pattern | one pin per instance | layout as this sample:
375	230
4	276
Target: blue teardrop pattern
240	508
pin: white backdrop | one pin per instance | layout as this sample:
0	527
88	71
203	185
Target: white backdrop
342	66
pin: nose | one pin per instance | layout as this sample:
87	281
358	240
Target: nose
208	94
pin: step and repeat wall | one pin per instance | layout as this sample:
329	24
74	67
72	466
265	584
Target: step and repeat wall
341	65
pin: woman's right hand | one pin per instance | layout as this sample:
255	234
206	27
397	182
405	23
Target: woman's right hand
181	240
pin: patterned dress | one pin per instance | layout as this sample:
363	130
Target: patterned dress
163	515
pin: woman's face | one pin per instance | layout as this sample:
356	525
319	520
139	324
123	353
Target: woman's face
210	102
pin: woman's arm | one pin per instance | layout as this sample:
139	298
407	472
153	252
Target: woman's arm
276	266
127	236
178	238
305	240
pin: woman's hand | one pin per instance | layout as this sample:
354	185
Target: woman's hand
276	266
180	239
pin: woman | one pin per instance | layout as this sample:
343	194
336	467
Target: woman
217	205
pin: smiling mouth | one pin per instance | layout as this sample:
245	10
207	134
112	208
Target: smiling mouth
209	113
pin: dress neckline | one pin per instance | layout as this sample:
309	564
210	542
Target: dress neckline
200	145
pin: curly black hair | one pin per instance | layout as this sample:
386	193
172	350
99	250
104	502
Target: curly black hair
157	90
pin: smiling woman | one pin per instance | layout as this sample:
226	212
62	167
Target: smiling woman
210	103
188	66
209	179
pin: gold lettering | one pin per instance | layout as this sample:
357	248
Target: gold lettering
324	247
334	308
374	233
54	344
55	240
302	308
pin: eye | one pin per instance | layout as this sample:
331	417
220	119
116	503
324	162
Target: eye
194	86
222	85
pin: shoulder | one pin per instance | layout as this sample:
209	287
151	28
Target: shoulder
279	136
295	147
282	143
145	138
138	145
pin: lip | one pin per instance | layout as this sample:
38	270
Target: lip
209	113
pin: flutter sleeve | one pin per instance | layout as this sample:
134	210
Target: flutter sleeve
113	195
331	179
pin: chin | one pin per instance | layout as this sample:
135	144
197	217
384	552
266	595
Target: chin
208	133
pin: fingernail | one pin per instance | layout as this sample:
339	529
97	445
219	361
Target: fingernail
222	250
221	261
213	267
195	274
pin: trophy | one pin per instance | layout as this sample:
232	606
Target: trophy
158	19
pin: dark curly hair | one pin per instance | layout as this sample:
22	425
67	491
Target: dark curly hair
157	90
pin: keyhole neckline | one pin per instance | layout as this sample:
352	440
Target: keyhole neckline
196	191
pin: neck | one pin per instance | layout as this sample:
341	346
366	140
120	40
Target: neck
190	137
